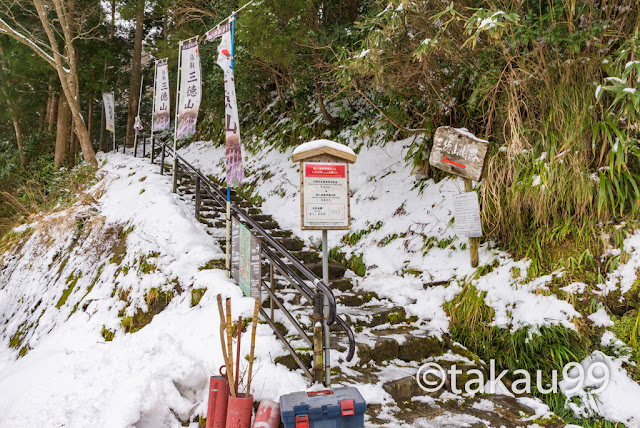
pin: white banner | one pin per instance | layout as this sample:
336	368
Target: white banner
109	111
190	90
234	164
161	114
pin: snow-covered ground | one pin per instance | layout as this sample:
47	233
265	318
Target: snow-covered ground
157	376
71	376
411	241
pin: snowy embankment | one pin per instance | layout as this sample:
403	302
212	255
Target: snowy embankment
80	276
407	241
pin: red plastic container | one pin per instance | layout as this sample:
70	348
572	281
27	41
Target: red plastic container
218	402
239	411
268	415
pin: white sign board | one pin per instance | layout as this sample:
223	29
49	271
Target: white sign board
109	113
467	215
325	195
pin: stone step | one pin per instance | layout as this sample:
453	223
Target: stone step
374	315
336	270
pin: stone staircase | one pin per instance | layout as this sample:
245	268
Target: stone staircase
390	345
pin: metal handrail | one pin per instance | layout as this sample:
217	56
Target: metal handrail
293	277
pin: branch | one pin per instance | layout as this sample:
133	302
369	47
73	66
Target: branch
8	30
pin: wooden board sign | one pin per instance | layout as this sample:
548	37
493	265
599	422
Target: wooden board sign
325	196
246	259
458	152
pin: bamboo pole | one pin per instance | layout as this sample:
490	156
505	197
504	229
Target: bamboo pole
254	325
229	336
223	326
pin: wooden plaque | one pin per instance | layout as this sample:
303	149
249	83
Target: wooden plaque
458	152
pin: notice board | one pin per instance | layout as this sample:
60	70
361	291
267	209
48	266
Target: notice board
325	196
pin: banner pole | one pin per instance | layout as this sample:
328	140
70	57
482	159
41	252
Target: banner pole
325	327
175	123
135	138
153	106
233	28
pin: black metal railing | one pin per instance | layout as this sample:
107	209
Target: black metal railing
288	267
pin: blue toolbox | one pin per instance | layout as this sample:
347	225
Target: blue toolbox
337	408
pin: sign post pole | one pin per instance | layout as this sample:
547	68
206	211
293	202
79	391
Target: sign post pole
473	242
325	327
175	130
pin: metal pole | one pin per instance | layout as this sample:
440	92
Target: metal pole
175	127
174	184
153	148
325	326
135	139
228	249
197	197
162	160
144	146
318	321
153	105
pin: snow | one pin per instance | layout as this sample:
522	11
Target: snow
318	144
601	318
618	399
465	132
386	202
157	376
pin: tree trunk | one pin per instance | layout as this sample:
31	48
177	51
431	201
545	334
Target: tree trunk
62	131
92	100
18	128
53	118
73	149
353	10
136	67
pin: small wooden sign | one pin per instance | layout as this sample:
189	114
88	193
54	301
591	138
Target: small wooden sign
458	152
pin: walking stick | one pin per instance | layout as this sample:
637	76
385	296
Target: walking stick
223	326
239	332
253	342
230	337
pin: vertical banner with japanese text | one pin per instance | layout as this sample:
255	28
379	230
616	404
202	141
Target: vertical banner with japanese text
234	164
109	111
190	90
161	115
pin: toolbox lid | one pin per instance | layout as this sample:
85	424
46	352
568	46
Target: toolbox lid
329	404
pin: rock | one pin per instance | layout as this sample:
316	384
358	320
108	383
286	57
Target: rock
336	270
358	298
385	349
364	352
289	362
405	389
394	315
417	348
342	284
292	244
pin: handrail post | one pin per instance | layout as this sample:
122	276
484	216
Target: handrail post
162	160
174	185
153	148
273	285
197	197
318	317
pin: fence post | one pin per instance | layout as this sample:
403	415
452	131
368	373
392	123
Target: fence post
153	148
144	146
176	168
318	305
162	161
197	197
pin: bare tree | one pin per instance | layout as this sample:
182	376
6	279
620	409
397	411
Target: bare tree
57	20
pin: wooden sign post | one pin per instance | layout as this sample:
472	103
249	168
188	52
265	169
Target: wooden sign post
459	152
324	205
